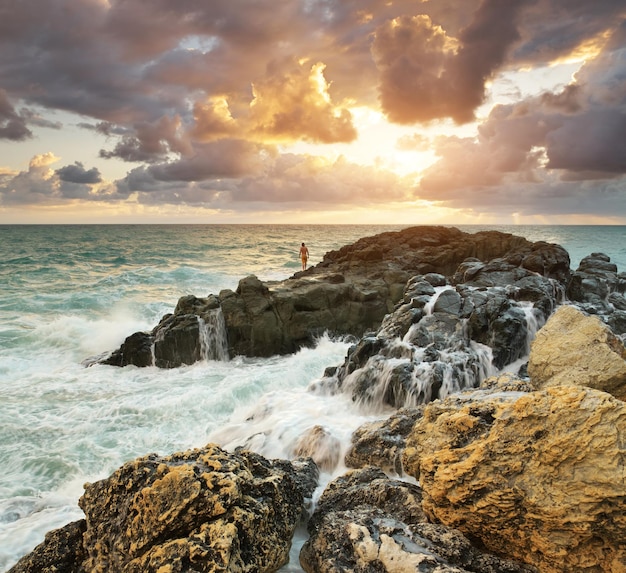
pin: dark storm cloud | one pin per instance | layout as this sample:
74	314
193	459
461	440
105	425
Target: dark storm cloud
77	173
197	93
148	141
553	29
12	126
544	143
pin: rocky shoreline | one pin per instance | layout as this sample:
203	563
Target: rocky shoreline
507	371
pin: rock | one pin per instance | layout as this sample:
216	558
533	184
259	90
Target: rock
537	477
348	293
441	340
177	341
365	521
136	350
200	510
454	339
597	288
574	348
449	301
192	510
381	443
318	444
62	551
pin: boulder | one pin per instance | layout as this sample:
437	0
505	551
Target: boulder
202	510
136	350
365	521
62	550
177	341
192	511
537	477
597	288
575	348
382	442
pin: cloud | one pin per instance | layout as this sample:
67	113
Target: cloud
551	30
148	141
427	74
42	185
581	128
289	103
12	126
554	152
77	173
296	105
311	180
261	177
203	98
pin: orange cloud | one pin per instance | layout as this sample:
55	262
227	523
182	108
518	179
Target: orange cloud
295	104
287	106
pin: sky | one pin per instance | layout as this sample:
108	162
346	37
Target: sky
313	111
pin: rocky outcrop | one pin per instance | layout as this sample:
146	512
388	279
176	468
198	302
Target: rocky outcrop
349	292
534	476
569	334
447	335
365	521
200	510
597	288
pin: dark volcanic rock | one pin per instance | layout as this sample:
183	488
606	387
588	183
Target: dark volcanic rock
349	292
135	350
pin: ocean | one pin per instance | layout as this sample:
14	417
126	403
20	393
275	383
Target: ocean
70	292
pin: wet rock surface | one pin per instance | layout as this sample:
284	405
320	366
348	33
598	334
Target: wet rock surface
365	521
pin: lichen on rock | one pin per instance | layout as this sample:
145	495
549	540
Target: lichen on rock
534	476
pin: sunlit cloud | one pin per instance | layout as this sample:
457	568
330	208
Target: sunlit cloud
475	110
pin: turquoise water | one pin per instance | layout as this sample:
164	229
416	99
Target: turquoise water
71	292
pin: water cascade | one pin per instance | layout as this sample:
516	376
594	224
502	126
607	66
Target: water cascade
213	339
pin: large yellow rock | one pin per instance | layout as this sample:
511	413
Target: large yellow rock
539	477
574	348
204	510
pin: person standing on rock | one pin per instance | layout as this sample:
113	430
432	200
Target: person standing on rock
304	255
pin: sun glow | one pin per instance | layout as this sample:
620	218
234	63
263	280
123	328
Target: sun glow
587	50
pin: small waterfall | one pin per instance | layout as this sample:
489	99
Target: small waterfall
533	324
426	375
430	305
213	339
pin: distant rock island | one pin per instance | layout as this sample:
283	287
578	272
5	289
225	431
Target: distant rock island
506	371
